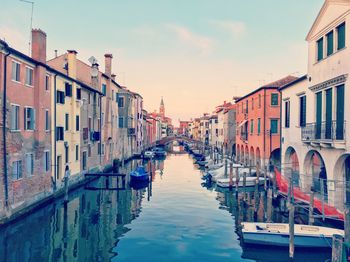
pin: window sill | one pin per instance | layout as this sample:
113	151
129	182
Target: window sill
30	86
15	81
29	130
15	131
336	52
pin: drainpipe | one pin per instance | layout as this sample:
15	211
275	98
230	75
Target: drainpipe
100	98
280	100
265	127
55	132
4	109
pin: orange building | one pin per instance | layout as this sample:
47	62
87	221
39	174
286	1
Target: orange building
258	125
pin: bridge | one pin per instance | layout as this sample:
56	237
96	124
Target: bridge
169	139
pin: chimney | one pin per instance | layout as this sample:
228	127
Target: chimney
108	64
113	77
72	63
39	45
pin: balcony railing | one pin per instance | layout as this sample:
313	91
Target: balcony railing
325	131
244	136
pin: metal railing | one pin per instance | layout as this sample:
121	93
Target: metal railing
324	131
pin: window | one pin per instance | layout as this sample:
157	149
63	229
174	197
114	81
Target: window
84	160
76	152
68	89
89	98
59	133
121	122
274	99
287	114
246	106
341	36
66	122
47	83
330	43
251	126
30	164
252	103
320	49
16	71
104	89
274	126
47	161
66	153
14	117
29	76
99	148
47	120
103	149
78	93
113	95
29	118
77	123
17	170
60	97
89	150
102	119
121	101
259	126
302	111
259	100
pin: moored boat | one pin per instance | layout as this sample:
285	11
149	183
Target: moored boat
139	175
250	181
277	234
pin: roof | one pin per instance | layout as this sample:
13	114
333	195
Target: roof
321	13
302	78
49	68
273	85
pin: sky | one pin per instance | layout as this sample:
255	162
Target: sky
194	53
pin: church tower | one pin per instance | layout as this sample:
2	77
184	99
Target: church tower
161	108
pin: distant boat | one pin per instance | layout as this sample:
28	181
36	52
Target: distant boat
139	175
250	181
275	234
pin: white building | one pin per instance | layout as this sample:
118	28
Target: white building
314	114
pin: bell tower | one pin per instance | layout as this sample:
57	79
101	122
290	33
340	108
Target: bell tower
162	108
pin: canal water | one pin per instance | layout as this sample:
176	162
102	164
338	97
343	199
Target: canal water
175	218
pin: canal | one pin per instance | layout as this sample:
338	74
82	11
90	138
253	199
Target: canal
175	218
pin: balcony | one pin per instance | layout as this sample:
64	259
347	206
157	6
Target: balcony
244	136
325	132
131	132
94	136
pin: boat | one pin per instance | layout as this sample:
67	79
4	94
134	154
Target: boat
148	154
159	152
250	181
277	234
139	175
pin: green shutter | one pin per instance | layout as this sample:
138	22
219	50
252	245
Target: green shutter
318	114
258	125
330	43
329	96
341	36
340	113
320	49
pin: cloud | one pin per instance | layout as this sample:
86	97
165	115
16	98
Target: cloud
235	28
202	43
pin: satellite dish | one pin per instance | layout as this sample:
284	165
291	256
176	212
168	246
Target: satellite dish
92	60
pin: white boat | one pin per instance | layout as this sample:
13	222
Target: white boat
250	181
275	234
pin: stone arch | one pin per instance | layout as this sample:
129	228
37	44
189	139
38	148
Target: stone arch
291	165
313	165
238	153
342	176
242	154
252	156
258	157
275	157
246	153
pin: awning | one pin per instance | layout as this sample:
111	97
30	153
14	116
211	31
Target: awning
241	124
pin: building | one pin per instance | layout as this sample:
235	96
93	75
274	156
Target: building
258	123
25	100
183	128
229	130
322	140
213	131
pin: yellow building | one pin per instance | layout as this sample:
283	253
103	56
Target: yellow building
66	103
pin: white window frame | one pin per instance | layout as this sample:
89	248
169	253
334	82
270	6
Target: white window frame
19	63
31	172
25	80
17	169
47	82
77	151
18	118
25	118
47	161
47	120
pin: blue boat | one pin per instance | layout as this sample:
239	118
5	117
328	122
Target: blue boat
139	175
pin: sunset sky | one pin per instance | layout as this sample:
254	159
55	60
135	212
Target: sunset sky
194	53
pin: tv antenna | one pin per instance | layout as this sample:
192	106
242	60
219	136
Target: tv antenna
94	66
31	23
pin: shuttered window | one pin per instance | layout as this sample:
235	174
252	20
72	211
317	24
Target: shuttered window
274	99
259	126
341	36
274	126
29	118
14	117
320	49
287	114
330	43
302	111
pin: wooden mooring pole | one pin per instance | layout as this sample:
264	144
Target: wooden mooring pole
237	179
291	231
311	206
337	248
244	185
231	175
